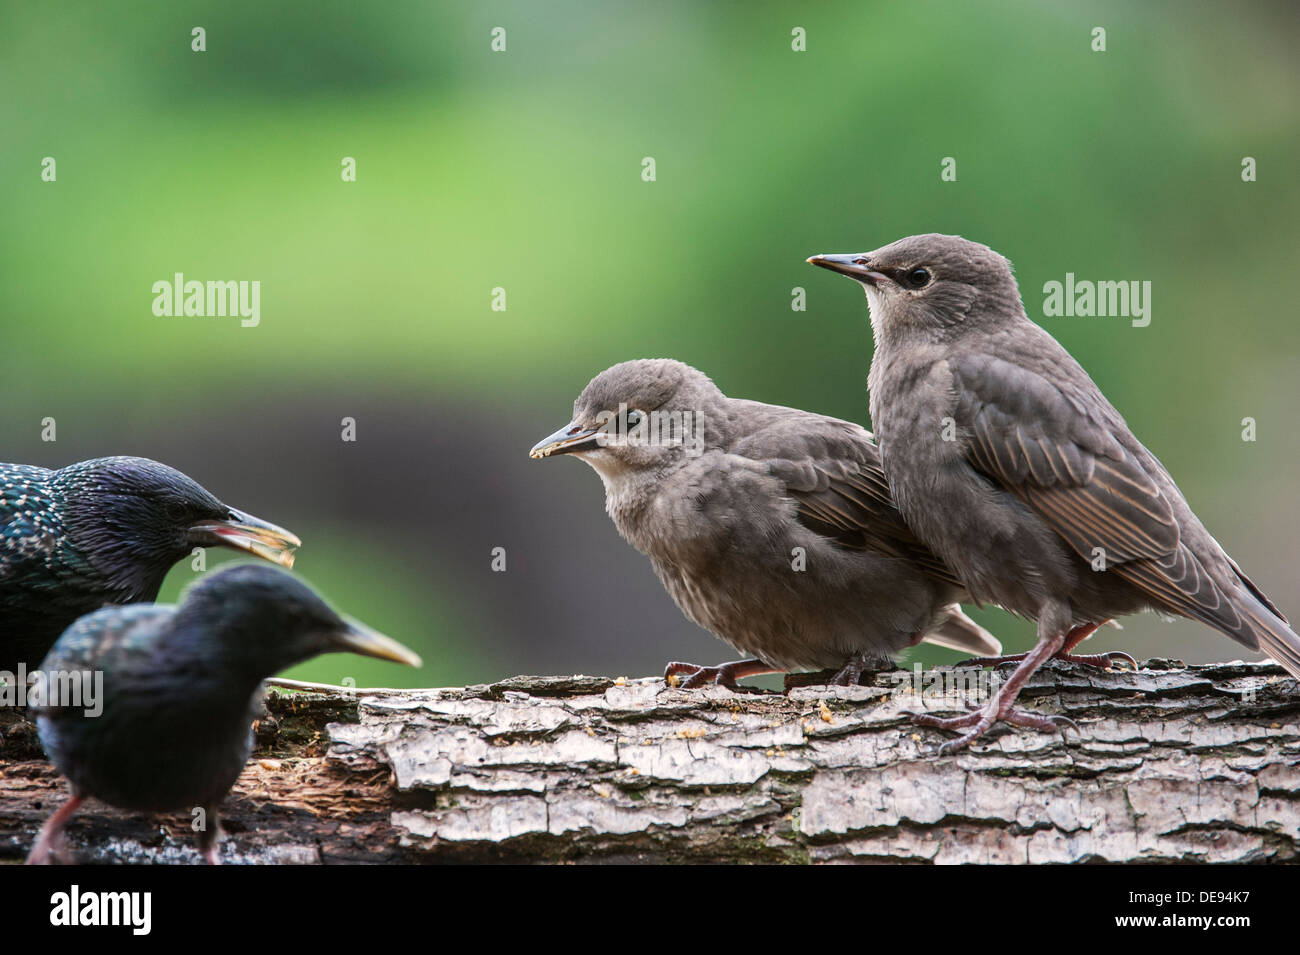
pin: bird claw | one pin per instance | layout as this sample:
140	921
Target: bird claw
982	719
43	854
948	722
1001	708
724	675
49	849
850	674
698	676
1047	724
1119	656
1102	661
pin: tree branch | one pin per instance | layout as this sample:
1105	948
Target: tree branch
1173	764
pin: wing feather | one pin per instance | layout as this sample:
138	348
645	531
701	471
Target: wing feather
1074	463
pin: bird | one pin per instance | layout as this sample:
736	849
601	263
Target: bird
769	526
180	689
1007	460
100	532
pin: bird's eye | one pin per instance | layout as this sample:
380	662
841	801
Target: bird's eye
917	278
633	419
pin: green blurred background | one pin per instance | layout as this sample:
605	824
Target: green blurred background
522	170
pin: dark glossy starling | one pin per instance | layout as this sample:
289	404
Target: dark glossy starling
769	526
181	687
1010	463
103	532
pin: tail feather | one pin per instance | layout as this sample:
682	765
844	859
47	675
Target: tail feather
956	631
1256	592
1276	639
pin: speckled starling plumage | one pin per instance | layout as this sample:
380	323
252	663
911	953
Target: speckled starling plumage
102	532
181	687
769	526
1008	461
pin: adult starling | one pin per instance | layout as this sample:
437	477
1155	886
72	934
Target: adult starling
1007	460
769	526
104	531
181	687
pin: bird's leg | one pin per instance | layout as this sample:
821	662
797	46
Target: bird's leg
49	843
209	837
850	674
1104	661
1001	708
724	674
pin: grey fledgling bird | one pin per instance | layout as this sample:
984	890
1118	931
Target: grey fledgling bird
769	526
1008	461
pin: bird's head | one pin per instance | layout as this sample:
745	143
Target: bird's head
924	284
133	518
261	620
637	416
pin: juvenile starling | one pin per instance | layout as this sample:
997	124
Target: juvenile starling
1008	461
769	526
181	687
103	532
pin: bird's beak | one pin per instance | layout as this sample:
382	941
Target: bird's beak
358	638
854	265
572	437
251	534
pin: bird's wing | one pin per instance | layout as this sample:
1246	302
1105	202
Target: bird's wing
1060	449
831	469
29	525
109	639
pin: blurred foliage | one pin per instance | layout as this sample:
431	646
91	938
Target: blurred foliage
522	170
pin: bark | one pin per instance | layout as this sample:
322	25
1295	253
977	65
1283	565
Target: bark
1171	763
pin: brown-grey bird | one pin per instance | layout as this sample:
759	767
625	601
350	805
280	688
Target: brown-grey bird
769	526
1008	461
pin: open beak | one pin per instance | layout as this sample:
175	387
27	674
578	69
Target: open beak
854	265
358	638
251	534
572	437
